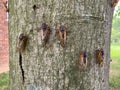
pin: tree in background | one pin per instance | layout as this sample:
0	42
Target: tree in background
116	26
51	65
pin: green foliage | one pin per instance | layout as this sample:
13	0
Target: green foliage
115	35
116	29
116	23
117	12
4	81
116	26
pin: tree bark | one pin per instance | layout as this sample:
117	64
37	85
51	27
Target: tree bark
52	67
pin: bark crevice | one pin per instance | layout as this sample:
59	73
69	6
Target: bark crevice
22	71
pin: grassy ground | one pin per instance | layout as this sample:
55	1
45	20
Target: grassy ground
115	51
4	81
115	67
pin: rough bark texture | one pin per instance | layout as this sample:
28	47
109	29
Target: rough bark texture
52	67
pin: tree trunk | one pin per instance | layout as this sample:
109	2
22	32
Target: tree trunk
51	66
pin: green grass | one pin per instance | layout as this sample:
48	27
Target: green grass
4	81
115	51
115	82
115	67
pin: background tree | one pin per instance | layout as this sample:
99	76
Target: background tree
115	28
53	67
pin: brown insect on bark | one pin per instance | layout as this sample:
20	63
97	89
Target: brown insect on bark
100	57
22	42
61	30
47	36
115	2
82	62
45	32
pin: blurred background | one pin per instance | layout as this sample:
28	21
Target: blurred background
4	52
114	81
115	51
